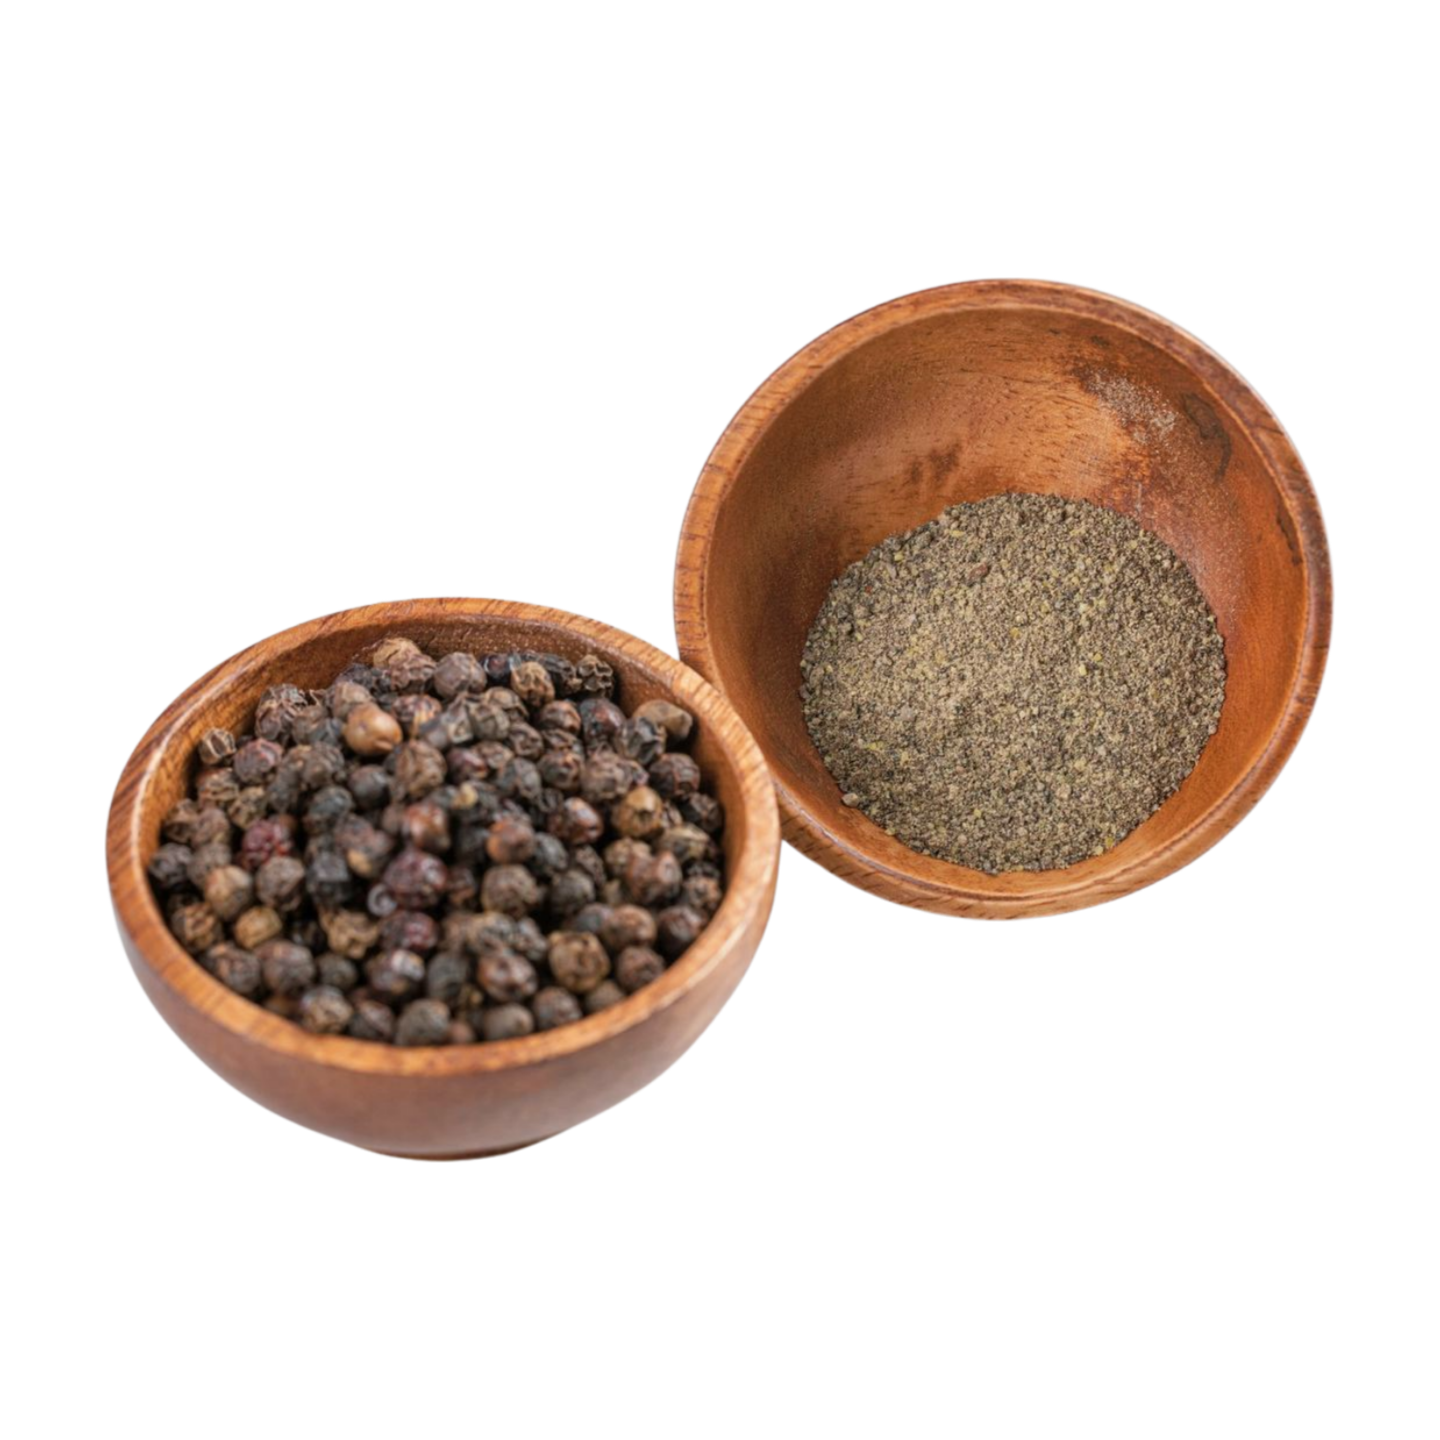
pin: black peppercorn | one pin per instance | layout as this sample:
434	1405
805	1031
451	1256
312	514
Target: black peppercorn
256	761
553	1007
639	815
196	927
458	674
236	968
350	933
257	925
673	777
482	933
577	960
526	741
510	841
277	709
561	715
372	1020
366	849
529	940
505	975
593	676
653	880
532	683
343	697
602	997
702	892
675	722
600	722
229	890
215	747
570	891
576	823
447	975
219	788
510	889
506	1022
419	769
561	770
324	1010
280	883
636	967
627	925
329	807
395	975
426	826
337	971
288	968
423	1022
688	844
168	866
640	741
328	879
519	780
678	928
589	918
247	807
704	811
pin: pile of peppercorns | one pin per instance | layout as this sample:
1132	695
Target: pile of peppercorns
439	852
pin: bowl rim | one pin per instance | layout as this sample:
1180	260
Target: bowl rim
1043	891
748	893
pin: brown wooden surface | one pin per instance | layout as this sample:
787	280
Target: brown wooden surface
465	1100
959	393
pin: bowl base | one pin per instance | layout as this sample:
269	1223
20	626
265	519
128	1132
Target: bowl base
463	1154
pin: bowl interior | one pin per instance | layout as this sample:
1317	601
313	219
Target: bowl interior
312	655
887	420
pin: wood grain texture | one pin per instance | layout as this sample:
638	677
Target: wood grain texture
963	392
465	1100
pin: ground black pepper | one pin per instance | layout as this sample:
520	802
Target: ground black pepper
1015	685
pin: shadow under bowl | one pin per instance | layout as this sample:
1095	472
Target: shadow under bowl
967	391
443	1102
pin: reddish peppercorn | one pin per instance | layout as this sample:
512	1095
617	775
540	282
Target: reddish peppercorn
415	879
266	839
409	930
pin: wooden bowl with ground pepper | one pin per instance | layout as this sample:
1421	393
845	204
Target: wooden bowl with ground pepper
1043	401
440	1100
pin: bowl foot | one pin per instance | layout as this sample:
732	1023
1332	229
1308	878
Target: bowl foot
462	1154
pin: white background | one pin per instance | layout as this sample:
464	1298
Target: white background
307	306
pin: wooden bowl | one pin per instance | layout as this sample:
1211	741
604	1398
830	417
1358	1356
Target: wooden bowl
475	1099
959	393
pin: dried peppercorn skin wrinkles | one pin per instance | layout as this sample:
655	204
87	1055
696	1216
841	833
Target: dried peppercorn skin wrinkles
956	394
451	1101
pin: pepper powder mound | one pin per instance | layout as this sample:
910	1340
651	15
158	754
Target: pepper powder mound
1015	685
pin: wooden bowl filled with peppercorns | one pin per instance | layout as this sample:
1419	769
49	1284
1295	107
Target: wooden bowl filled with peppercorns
443	878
